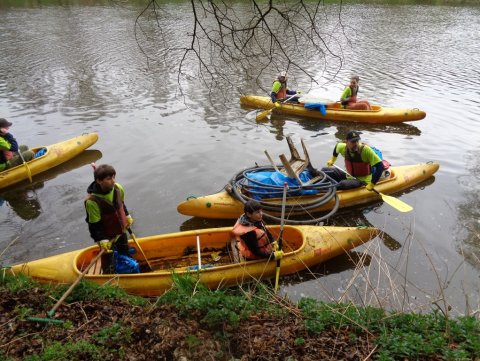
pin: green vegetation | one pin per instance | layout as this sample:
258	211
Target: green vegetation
403	335
217	308
189	319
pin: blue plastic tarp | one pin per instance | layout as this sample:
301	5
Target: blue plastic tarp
276	179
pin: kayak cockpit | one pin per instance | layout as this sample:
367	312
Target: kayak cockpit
188	251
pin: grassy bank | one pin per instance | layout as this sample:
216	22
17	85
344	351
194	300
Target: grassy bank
193	323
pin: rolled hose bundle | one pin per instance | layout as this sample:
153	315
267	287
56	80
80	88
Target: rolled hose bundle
244	188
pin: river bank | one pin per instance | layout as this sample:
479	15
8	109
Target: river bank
193	323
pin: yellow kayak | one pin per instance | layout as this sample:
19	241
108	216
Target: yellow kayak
224	206
335	111
54	155
183	252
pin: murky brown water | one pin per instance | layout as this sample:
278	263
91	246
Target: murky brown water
65	70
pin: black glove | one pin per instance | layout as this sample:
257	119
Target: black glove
345	101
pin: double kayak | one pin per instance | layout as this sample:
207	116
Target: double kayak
206	254
224	205
52	155
335	111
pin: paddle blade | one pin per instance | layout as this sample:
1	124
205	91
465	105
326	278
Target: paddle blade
396	203
263	115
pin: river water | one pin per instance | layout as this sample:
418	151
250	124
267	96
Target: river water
70	69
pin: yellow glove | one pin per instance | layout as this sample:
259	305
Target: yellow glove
331	161
370	186
278	255
106	245
129	220
274	245
277	104
299	92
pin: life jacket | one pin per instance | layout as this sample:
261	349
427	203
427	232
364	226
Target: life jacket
114	219
354	164
5	156
282	93
262	240
353	97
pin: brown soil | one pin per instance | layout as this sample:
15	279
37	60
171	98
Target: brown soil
159	333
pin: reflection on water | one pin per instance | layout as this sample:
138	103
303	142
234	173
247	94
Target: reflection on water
24	202
469	213
277	123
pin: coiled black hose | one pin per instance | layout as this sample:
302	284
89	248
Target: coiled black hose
244	188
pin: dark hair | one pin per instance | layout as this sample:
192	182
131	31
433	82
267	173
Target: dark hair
252	206
103	171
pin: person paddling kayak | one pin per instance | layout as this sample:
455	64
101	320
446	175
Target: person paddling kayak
280	91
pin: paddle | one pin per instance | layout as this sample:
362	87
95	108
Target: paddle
280	235
140	248
392	201
29	173
267	112
51	313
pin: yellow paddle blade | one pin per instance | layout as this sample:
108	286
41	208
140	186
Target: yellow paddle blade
263	114
396	203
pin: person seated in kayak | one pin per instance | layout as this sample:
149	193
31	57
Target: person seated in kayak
253	239
361	162
349	96
107	215
9	146
280	91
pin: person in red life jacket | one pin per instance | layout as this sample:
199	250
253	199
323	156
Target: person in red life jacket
253	239
107	215
280	91
9	146
349	96
361	162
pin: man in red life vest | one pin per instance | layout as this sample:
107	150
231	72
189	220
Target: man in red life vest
253	240
361	162
107	215
280	91
9	146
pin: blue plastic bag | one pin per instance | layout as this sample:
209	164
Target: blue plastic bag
314	106
125	264
40	152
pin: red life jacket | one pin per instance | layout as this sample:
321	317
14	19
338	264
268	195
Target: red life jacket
262	240
113	215
355	166
8	154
